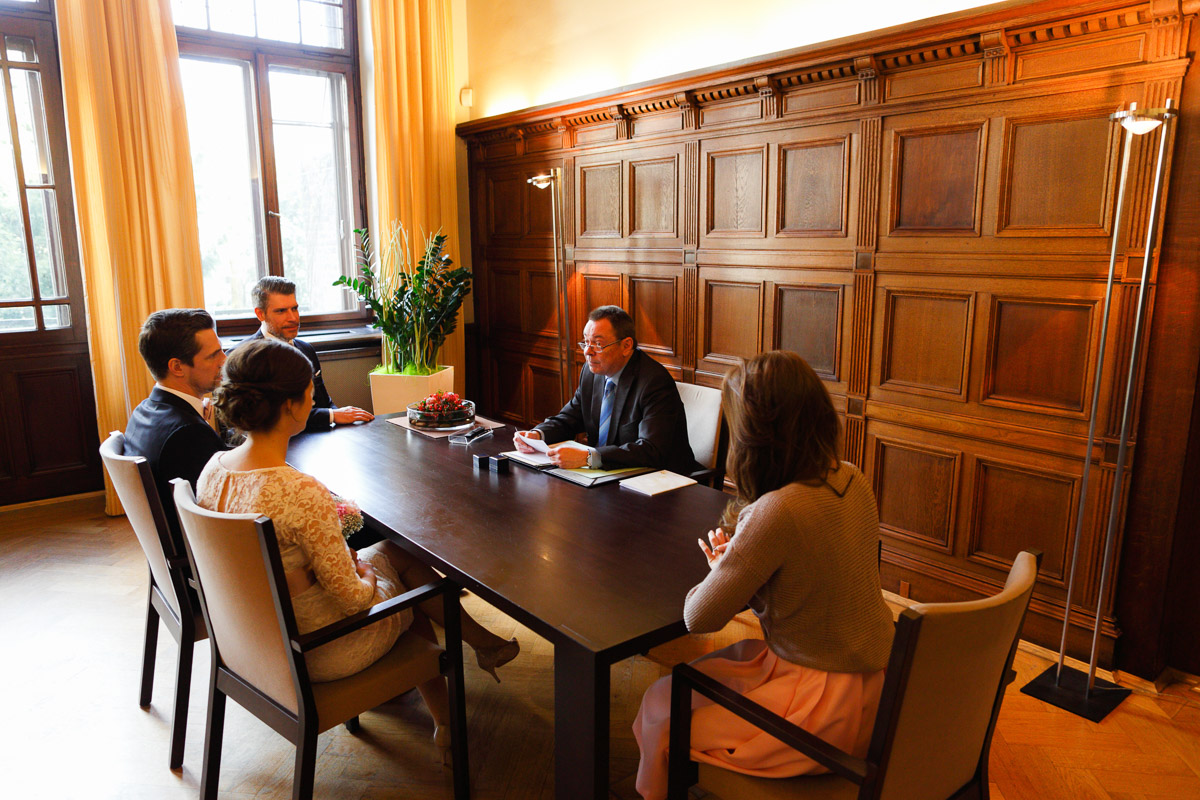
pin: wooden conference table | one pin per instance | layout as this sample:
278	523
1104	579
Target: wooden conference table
601	572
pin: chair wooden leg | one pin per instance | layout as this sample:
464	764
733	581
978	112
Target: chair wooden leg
457	694
306	763
210	777
149	651
183	688
681	772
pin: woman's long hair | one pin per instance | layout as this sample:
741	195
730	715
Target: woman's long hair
782	427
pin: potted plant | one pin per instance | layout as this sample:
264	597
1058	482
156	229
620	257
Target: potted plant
416	307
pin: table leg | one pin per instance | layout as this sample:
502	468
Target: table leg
580	724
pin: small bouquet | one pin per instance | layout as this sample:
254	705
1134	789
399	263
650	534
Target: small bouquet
442	403
441	410
349	514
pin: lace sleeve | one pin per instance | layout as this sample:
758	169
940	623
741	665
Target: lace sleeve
319	534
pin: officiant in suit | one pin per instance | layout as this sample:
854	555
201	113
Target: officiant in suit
173	428
626	403
276	307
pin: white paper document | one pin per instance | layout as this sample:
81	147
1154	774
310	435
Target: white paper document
536	444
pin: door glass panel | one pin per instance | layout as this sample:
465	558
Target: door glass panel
231	16
47	242
14	259
279	19
13	320
312	174
321	23
189	13
225	165
56	316
18	48
31	126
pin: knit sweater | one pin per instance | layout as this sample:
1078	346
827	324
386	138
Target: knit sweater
805	558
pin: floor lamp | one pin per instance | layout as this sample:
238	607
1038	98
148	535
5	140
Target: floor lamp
1067	688
552	180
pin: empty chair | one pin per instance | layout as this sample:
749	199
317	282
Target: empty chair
258	656
170	598
707	432
949	666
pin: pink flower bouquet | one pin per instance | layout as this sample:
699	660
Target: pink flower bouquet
349	514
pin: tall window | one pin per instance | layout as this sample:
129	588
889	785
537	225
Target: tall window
34	293
271	94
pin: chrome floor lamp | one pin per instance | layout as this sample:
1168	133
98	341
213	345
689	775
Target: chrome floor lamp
1062	686
552	180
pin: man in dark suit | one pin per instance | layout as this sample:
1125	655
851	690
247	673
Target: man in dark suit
276	307
172	427
626	403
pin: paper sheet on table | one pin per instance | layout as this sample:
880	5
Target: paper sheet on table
539	459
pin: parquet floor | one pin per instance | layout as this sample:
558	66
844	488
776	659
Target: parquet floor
72	594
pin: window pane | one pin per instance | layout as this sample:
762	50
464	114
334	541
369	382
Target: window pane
56	316
321	23
19	48
14	259
279	19
17	319
31	126
231	16
47	243
224	144
190	13
312	173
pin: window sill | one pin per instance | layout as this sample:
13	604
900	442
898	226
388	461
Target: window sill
341	337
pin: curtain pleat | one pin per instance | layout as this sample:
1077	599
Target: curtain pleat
414	129
132	176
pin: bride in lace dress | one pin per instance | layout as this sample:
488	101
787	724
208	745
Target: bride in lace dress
267	394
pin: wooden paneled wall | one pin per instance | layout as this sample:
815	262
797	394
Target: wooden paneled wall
924	215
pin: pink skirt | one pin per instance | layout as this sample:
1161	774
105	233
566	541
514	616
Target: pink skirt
837	706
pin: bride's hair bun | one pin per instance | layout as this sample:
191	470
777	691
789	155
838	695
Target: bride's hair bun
259	377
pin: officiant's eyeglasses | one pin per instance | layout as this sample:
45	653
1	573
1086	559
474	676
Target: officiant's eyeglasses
599	348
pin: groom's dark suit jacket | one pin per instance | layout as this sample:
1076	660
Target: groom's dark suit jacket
175	441
648	428
322	410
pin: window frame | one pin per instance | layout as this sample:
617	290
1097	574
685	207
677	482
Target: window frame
262	54
28	19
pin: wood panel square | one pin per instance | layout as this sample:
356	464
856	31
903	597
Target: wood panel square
736	193
812	188
917	489
505	193
508	388
652	304
504	301
733	313
542	306
545	392
936	181
51	408
600	200
539	219
1058	176
808	321
653	197
926	339
1039	353
1018	507
599	290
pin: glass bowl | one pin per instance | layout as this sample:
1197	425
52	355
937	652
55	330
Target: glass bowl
443	420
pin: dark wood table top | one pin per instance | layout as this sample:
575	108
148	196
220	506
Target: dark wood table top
604	567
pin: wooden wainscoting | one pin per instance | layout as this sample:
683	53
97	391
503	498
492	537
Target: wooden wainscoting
924	214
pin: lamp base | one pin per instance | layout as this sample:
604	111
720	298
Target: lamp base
1071	693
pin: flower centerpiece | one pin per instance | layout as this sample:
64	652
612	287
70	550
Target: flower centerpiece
441	410
415	300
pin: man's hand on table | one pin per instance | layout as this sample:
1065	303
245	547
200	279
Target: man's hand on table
520	445
568	457
348	414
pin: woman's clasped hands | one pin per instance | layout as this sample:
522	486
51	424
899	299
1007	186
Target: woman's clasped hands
715	547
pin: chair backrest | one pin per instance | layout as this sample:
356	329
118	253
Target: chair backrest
243	591
703	407
939	706
135	487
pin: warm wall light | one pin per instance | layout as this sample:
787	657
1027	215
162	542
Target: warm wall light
1068	688
466	96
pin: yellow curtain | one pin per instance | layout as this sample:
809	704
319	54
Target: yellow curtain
134	194
414	129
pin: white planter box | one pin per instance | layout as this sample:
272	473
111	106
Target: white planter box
391	393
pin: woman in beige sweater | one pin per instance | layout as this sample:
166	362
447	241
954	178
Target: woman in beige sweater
799	546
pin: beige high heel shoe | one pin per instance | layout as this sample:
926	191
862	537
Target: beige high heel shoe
490	659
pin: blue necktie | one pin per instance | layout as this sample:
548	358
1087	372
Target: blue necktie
606	411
